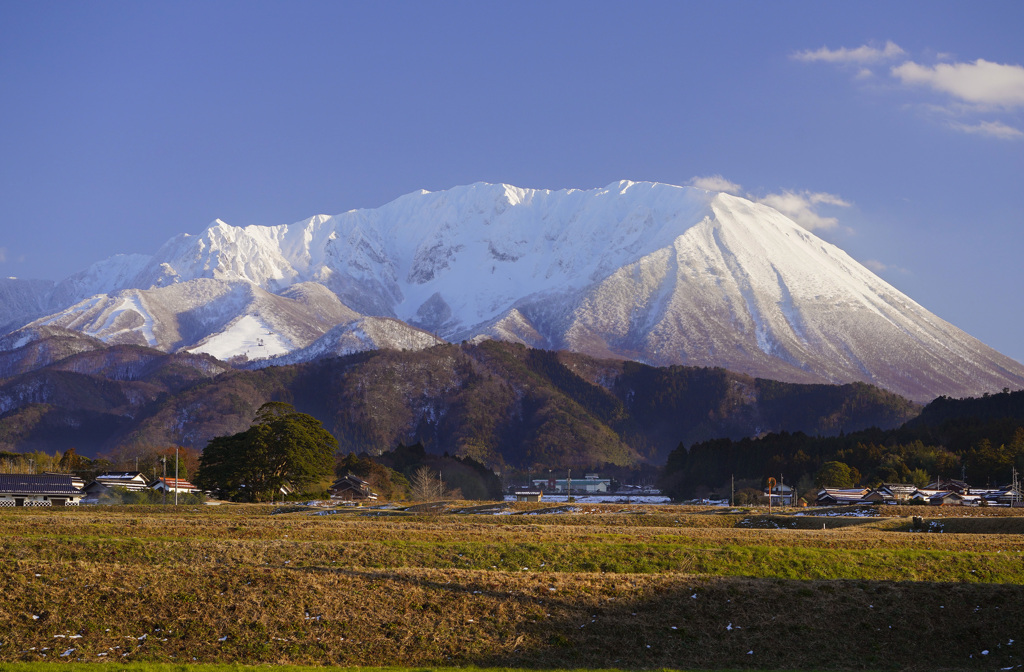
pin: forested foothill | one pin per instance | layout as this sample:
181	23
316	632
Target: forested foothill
503	405
980	440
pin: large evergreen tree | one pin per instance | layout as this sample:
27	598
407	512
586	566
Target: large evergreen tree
281	447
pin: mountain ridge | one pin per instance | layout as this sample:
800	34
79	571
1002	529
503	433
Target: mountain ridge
500	403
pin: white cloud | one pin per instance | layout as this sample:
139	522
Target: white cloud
801	207
968	89
995	129
862	54
715	183
828	199
981	82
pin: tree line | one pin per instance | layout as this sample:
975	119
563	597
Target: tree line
978	440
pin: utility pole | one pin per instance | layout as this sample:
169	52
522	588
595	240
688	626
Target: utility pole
732	489
175	475
164	461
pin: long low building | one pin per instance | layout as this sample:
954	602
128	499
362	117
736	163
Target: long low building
39	490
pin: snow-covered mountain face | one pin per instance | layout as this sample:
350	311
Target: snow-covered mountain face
652	272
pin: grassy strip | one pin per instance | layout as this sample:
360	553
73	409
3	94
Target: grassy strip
727	559
763	531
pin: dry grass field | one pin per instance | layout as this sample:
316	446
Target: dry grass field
513	586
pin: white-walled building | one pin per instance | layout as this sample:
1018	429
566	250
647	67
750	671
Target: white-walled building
39	490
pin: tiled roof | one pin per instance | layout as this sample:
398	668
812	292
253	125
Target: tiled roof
179	483
42	484
354	480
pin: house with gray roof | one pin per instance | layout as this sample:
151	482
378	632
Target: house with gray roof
39	490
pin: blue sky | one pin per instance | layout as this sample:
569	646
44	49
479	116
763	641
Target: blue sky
894	130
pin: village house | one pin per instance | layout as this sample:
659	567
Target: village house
949	485
923	495
351	488
897	492
947	499
39	490
833	496
130	480
172	485
780	495
1010	496
101	485
589	484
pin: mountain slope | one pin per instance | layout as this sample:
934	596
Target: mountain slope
643	271
24	300
749	290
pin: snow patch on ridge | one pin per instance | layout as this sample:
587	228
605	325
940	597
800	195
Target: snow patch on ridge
248	335
130	304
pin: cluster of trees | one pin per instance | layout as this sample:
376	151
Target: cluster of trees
281	448
981	440
387	483
287	448
433	476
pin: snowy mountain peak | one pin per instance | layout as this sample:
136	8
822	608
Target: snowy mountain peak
641	270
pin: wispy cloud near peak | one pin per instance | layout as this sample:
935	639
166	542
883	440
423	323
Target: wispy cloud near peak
861	55
801	207
715	183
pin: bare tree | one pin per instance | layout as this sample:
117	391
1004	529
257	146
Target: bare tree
428	487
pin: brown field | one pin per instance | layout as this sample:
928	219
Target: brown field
605	586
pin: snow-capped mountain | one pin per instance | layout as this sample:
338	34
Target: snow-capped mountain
646	271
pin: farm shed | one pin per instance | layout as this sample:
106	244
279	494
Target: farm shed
39	490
